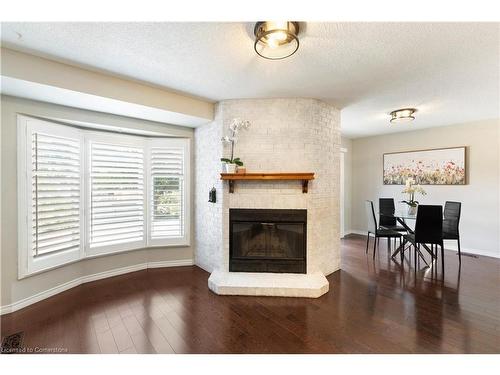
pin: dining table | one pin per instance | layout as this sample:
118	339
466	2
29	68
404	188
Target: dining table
402	217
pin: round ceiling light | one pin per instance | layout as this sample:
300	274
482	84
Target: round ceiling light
276	40
403	115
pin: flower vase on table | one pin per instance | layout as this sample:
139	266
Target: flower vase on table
412	210
411	189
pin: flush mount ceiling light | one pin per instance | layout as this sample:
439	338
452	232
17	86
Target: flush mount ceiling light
276	40
403	115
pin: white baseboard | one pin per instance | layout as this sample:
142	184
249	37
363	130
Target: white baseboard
171	263
355	231
88	278
204	267
452	245
448	245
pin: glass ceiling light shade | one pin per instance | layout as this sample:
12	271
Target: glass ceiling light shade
403	115
276	40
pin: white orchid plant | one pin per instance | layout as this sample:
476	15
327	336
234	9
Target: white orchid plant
411	189
235	127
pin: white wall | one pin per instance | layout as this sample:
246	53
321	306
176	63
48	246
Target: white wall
479	225
13	290
208	216
346	144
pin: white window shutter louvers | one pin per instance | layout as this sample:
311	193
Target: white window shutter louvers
88	193
117	194
56	194
167	211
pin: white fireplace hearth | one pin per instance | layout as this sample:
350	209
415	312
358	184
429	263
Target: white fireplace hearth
286	135
268	284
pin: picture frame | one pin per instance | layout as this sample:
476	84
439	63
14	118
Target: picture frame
437	166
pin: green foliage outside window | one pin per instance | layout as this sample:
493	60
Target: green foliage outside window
167	198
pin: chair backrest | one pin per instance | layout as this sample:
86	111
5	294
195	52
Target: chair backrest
386	206
451	220
429	224
370	217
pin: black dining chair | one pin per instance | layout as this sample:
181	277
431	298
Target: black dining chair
374	229
451	222
428	231
386	220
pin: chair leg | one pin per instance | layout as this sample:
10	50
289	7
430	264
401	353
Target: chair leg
459	253
402	247
421	256
442	258
375	245
367	242
415	260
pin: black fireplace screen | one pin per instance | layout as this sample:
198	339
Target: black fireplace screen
268	240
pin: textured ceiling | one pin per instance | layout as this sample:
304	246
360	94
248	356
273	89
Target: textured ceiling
448	71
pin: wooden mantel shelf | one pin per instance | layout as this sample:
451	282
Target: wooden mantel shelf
305	177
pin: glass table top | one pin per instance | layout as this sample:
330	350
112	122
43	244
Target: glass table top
401	215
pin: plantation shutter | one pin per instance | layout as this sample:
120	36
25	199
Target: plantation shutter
85	193
117	195
55	194
167	211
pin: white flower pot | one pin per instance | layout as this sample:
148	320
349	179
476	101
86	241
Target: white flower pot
412	210
230	168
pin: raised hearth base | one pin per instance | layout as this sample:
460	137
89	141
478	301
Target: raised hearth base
268	284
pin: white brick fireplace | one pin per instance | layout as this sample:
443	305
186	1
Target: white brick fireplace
286	135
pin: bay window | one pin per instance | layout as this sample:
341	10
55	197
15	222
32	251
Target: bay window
84	193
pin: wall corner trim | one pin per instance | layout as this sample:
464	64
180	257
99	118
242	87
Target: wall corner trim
6	309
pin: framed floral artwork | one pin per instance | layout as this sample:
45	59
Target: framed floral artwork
443	166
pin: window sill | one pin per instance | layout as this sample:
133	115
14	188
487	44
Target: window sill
99	255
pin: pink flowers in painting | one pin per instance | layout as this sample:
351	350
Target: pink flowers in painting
430	167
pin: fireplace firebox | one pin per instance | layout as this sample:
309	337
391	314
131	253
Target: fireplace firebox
267	240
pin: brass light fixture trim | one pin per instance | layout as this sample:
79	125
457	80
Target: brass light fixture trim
276	40
403	115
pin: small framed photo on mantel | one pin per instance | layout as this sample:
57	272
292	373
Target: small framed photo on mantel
443	166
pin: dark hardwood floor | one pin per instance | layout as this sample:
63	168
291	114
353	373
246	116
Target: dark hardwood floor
374	306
